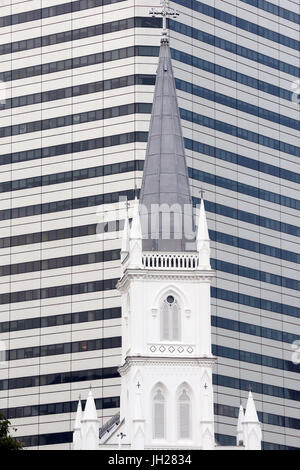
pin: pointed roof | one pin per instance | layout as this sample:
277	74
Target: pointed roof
125	235
78	415
165	178
136	230
240	420
250	414
202	233
90	412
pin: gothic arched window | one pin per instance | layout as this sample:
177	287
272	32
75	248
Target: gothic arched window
184	415
170	319
159	415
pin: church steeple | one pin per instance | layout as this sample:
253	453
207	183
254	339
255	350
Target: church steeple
165	179
166	371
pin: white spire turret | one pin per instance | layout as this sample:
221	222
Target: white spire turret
251	426
77	441
135	238
203	242
138	422
90	425
125	236
251	413
240	431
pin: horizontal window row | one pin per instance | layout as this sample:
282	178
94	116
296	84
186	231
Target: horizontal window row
58	291
189	144
75	175
36	440
107	113
51	235
73	119
59	378
114	402
109	198
275	10
67	437
128	23
237	104
250	218
110	284
243	188
250	329
117	225
239	132
63	348
109	313
255	302
80	33
256	387
111	255
77	90
48	12
119	82
250	245
226	440
265	418
236	49
59	320
251	273
67	204
241	160
241	23
74	147
254	358
57	408
214	68
137	165
117	54
76	62
61	262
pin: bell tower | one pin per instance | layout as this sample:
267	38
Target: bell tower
166	375
166	372
166	365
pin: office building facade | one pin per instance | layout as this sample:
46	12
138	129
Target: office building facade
79	80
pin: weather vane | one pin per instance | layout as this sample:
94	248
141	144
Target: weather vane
165	11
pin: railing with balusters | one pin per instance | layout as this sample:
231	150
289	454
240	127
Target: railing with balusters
170	261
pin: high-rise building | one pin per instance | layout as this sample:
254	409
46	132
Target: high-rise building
79	80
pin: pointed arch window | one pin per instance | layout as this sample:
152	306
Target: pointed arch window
184	415
170	319
159	415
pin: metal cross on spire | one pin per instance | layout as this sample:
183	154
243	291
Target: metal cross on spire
165	11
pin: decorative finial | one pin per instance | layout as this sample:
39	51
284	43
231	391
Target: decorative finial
165	11
138	385
201	192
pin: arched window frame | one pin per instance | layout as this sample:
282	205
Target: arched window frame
184	389
170	324
159	391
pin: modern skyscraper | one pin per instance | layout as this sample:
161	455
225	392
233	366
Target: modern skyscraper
79	79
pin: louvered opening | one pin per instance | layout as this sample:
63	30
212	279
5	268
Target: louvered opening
184	404
159	415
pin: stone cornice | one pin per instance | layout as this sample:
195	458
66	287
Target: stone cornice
168	274
147	361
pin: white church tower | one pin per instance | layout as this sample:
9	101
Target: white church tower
166	371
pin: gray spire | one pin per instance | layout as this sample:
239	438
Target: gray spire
165	178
